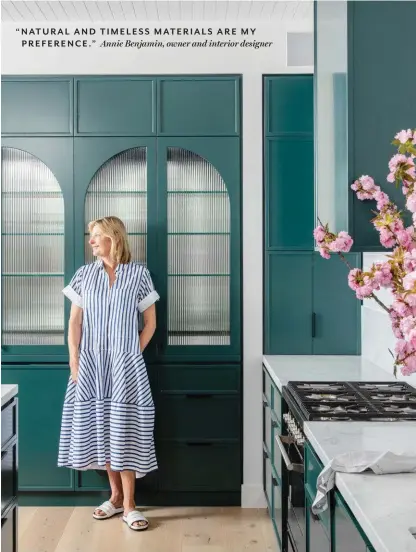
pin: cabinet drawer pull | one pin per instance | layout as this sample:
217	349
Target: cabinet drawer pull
199	444
199	395
274	481
265	455
3	454
274	423
315	517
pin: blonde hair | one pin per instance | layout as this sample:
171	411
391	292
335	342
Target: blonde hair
113	228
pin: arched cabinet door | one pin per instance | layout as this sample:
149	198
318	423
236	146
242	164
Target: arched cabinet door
37	248
116	176
198	262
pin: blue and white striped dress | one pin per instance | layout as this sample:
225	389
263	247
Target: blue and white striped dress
108	415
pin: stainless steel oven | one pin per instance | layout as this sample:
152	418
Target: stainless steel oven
289	464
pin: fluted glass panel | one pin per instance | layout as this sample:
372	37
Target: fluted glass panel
198	228
119	188
32	251
198	310
33	310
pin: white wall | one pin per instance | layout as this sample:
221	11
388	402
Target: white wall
376	333
252	64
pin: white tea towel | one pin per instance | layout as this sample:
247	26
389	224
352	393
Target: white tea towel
357	462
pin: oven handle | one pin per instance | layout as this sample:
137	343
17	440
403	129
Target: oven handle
289	465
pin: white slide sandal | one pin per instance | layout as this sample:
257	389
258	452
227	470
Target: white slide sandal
135	516
108	509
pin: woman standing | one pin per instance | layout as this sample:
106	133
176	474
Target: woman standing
108	413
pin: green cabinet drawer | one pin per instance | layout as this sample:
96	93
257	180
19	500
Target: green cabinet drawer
277	404
199	466
277	509
318	534
41	397
91	480
36	106
115	106
267	480
193	106
289	104
193	378
289	222
198	416
267	425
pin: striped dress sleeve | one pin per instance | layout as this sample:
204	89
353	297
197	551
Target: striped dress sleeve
74	289
147	293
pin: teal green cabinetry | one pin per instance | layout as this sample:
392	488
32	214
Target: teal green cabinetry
348	535
39	106
163	154
199	106
41	396
38	246
288	307
115	106
337	311
288	162
310	308
289	104
289	181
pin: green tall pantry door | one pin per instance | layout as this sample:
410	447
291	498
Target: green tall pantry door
180	200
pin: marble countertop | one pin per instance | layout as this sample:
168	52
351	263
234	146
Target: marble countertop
285	368
384	505
8	392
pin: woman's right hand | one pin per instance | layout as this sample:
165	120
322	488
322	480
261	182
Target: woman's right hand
74	366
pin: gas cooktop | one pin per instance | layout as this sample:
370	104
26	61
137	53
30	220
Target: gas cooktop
337	401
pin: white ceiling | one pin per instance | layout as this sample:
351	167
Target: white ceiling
160	10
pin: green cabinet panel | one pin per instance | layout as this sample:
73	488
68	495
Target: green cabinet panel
289	104
348	535
288	305
198	416
36	106
289	181
337	311
199	466
41	397
375	28
210	378
122	106
199	106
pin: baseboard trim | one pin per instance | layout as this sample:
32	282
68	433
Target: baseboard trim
252	496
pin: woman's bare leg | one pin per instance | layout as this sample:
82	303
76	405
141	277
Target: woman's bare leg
128	479
116	498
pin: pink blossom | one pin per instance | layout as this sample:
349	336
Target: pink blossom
342	243
387	238
382	274
365	187
409	366
319	233
400	307
409	281
395	324
414	138
401	347
397	164
404	238
407	324
354	277
324	253
410	260
411	202
404	135
382	199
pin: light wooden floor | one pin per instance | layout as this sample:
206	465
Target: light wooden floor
63	529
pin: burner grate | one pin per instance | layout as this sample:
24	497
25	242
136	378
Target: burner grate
326	401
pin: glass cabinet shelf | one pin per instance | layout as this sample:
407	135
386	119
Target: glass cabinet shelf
32	275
